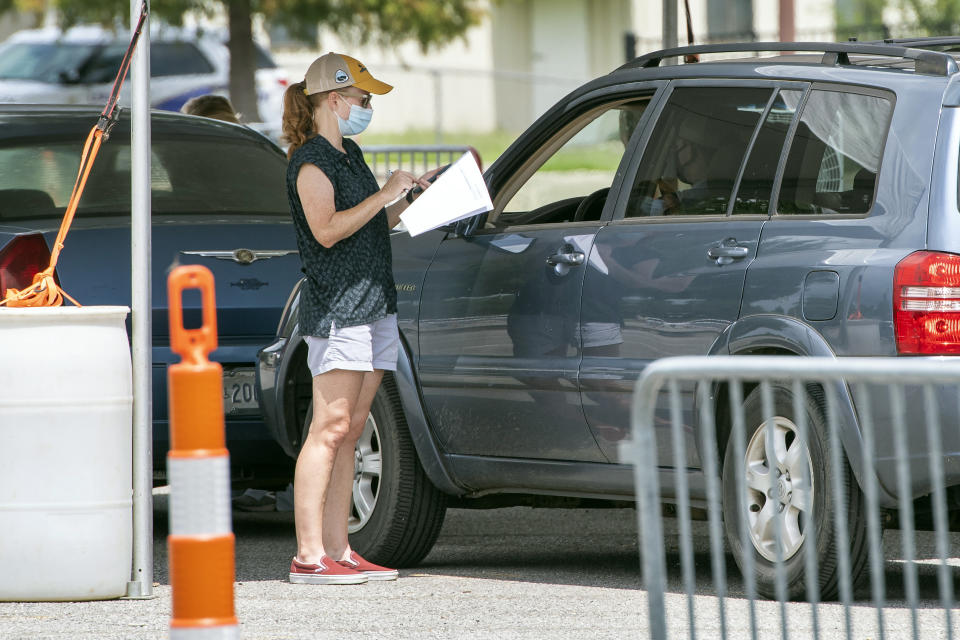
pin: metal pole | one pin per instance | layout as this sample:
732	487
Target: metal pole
787	30
141	579
629	46
669	24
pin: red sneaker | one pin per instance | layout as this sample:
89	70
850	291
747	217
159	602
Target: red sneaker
324	572
367	568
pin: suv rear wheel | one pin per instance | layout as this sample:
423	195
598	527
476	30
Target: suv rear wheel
396	513
800	507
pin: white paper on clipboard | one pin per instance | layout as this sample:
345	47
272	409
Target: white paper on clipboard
458	193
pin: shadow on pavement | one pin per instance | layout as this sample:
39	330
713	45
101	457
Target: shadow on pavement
577	547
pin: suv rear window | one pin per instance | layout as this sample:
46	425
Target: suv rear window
835	153
188	177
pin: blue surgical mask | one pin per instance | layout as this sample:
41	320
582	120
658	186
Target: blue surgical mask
356	122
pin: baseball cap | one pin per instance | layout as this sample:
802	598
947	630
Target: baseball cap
337	71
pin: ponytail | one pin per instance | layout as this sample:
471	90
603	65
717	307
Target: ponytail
297	126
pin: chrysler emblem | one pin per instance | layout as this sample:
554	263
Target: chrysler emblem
242	256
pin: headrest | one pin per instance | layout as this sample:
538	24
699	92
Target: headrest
22	203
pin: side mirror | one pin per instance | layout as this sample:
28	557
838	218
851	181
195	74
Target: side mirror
70	76
468	226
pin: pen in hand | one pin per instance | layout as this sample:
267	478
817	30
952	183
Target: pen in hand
403	190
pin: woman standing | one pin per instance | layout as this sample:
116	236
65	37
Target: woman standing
348	303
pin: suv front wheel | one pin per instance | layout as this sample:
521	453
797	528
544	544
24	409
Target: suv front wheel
800	506
396	512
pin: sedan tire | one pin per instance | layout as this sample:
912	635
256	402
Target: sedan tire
801	507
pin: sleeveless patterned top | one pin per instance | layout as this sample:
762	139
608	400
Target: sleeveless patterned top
351	283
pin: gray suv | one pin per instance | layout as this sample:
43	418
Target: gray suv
802	204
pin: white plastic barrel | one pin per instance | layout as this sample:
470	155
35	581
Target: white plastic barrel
65	453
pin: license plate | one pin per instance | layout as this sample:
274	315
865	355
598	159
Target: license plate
239	392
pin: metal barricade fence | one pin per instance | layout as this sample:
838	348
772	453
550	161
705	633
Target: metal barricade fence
804	439
417	159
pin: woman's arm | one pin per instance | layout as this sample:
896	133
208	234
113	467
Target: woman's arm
330	226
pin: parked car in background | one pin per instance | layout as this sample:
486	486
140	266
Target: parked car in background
78	66
218	199
802	204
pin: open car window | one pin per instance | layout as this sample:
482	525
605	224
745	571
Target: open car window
578	163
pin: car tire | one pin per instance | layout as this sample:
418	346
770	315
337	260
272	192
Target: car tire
401	512
791	498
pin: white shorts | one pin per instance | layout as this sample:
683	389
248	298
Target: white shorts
600	334
361	348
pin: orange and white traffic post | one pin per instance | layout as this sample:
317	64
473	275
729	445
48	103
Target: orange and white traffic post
201	541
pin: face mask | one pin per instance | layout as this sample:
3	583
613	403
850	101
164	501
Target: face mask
357	121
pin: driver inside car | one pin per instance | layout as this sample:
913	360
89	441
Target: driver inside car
698	174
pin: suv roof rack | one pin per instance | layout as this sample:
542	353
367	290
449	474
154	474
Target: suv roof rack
934	63
921	42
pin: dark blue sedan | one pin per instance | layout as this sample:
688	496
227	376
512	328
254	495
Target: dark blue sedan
218	200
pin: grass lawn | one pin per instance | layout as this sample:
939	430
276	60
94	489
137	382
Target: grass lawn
490	145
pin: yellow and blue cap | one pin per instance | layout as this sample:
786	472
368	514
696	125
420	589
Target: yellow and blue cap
333	71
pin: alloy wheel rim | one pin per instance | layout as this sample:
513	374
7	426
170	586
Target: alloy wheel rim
790	500
367	469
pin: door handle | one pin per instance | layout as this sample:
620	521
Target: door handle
565	258
727	251
573	259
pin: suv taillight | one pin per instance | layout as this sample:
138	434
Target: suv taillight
20	260
926	303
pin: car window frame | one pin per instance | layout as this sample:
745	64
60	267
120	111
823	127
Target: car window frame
774	85
837	87
603	98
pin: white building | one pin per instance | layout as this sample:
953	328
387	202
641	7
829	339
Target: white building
526	54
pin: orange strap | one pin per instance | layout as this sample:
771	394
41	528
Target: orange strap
44	290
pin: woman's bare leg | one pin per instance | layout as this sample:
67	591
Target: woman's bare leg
336	511
335	396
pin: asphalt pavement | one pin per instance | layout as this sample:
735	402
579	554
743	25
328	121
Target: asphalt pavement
516	573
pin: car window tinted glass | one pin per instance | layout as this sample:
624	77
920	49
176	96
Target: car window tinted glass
574	169
692	159
756	186
166	59
177	58
44	61
263	59
187	177
835	154
104	65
